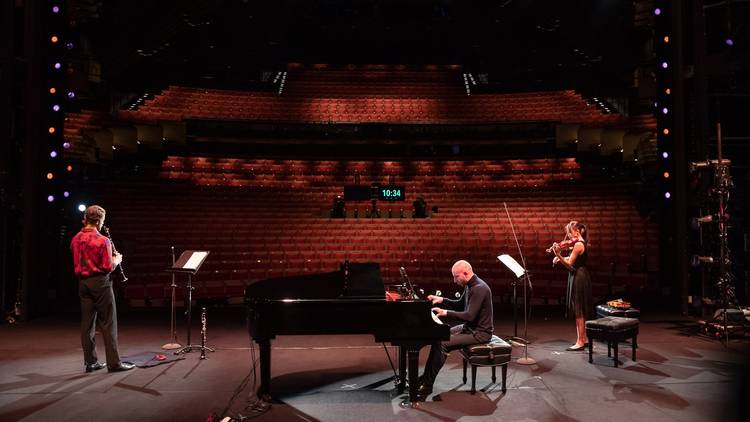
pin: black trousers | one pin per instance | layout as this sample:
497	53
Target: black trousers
98	308
460	337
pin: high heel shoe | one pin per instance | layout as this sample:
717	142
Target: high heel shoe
577	348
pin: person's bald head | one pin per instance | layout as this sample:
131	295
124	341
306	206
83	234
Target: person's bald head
462	272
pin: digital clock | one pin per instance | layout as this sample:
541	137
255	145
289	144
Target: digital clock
392	193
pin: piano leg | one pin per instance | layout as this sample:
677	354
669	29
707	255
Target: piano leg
412	354
265	368
401	369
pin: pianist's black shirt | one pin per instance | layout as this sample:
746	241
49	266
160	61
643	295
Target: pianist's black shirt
476	302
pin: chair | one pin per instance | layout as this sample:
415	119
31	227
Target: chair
494	353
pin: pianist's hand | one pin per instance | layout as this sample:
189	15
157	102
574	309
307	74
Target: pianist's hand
435	299
440	312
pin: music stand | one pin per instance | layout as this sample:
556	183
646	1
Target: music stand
189	263
172	323
519	272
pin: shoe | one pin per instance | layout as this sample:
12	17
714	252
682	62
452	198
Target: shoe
576	348
95	367
423	391
123	366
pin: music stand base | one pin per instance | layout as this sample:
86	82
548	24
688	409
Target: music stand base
526	361
189	348
171	346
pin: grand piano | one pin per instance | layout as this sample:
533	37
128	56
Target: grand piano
349	301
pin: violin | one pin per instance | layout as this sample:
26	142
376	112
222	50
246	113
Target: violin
564	244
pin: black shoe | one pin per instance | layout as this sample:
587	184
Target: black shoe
95	367
123	366
423	391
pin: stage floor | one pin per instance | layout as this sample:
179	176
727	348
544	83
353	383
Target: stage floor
679	376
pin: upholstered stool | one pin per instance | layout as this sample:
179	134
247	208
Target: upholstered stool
605	310
494	353
612	330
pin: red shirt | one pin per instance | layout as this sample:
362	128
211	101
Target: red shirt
92	253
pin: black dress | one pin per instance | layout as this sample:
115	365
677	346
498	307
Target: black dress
580	303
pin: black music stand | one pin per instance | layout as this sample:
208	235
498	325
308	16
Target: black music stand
189	263
520	272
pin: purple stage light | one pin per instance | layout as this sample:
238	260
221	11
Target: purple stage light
58	65
667	195
665	110
69	45
664	65
665	154
657	11
729	42
50	198
66	145
55	9
71	94
66	194
53	154
55	107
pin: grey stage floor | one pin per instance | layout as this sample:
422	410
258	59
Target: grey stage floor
678	376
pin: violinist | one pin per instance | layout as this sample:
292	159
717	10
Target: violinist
579	301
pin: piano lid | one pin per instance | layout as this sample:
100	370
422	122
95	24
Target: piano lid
363	282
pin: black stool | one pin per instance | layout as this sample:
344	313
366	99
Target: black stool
612	330
494	353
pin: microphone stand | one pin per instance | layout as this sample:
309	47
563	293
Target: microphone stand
172	323
525	360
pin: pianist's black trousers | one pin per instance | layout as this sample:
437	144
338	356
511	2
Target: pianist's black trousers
98	307
460	337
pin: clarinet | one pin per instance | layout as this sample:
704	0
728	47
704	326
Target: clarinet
203	333
105	231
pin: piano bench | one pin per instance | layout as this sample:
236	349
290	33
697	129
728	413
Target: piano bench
612	330
494	353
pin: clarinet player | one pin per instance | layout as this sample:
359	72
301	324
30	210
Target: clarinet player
93	261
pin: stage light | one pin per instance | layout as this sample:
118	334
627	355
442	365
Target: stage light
81	207
55	107
66	145
71	94
55	9
729	42
666	175
58	65
53	154
52	90
54	39
664	65
668	91
666	39
69	46
66	194
665	154
69	168
50	198
667	195
50	176
51	129
665	131
657	11
665	110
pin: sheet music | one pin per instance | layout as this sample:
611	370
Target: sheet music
512	264
195	259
